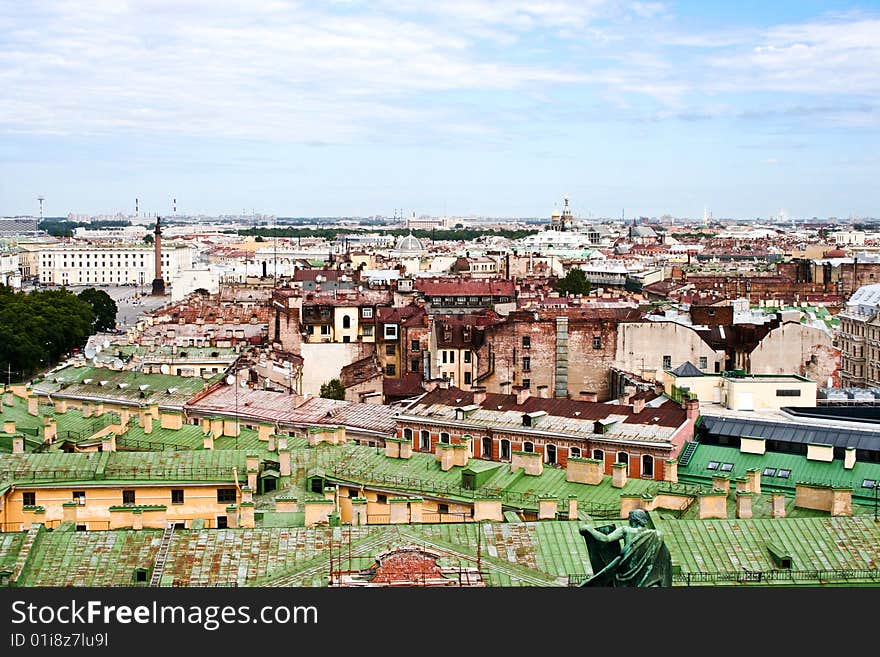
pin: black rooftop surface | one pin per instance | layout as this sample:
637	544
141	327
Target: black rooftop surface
790	433
865	414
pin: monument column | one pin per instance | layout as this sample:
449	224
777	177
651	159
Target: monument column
158	282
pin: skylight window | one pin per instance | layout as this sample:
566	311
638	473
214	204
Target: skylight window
783	474
726	467
869	483
769	472
713	465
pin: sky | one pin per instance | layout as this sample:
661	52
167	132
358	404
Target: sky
484	107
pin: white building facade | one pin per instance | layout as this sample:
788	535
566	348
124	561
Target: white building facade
110	265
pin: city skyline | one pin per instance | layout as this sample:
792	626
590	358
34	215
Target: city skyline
468	108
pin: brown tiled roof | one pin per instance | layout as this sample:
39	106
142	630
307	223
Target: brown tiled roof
348	298
668	414
301	275
411	315
465	286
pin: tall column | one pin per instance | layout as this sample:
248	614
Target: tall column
158	282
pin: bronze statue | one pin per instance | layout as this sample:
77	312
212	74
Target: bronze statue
643	560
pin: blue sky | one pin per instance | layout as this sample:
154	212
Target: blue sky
485	107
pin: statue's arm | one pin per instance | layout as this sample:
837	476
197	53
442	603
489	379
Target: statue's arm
616	535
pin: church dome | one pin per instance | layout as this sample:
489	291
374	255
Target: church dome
409	243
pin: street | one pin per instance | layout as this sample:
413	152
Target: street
131	302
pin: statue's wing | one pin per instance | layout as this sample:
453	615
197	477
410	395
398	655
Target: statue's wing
601	554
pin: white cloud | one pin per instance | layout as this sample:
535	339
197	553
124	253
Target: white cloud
266	69
835	57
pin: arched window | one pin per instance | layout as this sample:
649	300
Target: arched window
346	321
550	454
444	437
623	457
504	450
528	447
486	448
407	434
574	452
599	455
648	466
425	441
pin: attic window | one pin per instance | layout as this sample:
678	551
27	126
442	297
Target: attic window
143	387
122	386
869	483
712	465
726	467
783	474
769	472
171	391
102	383
87	381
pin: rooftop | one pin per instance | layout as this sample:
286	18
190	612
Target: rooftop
656	423
546	553
780	472
108	467
125	387
292	410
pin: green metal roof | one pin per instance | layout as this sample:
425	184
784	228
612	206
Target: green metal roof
546	553
71	382
10	545
110	467
731	546
802	470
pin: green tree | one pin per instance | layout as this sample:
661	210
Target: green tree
103	306
38	329
333	389
149	239
575	282
259	238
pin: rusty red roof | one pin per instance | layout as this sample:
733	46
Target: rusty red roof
668	414
452	287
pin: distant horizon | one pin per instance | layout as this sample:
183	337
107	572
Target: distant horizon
170	219
492	108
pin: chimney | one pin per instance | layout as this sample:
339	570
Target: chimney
108	442
588	396
638	403
544	392
625	398
50	429
8	398
33	405
8	426
18	444
522	394
778	505
692	407
208	440
479	394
